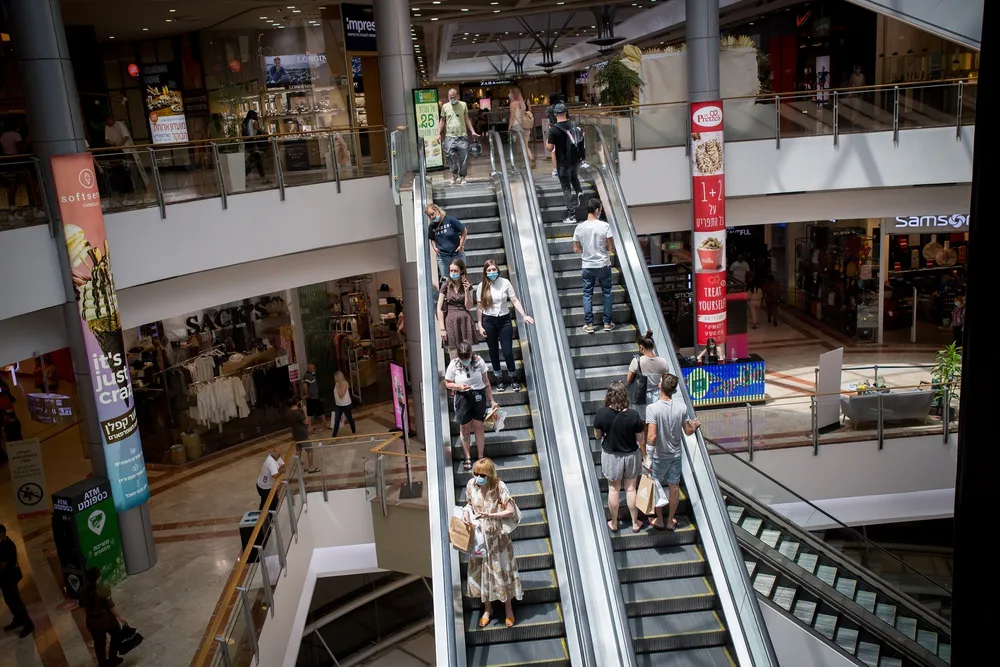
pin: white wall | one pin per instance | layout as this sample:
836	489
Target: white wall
29	271
198	236
794	646
808	164
39	331
809	206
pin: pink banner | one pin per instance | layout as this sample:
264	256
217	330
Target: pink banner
399	406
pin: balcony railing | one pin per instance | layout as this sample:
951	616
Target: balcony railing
22	193
801	114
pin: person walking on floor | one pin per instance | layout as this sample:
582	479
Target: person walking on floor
566	139
447	236
666	425
298	421
314	405
273	466
521	119
650	367
343	403
958	321
623	449
103	620
456	127
468	376
10	575
495	324
755	297
592	239
494	575
251	130
454	302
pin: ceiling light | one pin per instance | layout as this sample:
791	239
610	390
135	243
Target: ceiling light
418	14
416	9
434	19
111	37
414	38
751	22
494	3
270	21
496	11
172	10
296	11
263	18
466	33
436	2
593	26
145	29
169	20
290	7
464	9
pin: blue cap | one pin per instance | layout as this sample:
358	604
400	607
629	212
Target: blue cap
559	109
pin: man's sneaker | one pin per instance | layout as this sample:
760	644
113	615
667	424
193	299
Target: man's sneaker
499	387
555	172
462	181
589	328
585	165
515	386
610	326
570	218
452	181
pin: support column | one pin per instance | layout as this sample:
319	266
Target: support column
55	122
397	67
973	633
702	34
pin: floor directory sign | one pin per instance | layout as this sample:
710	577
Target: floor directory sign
97	301
426	111
85	529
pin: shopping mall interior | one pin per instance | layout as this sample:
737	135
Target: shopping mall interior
783	194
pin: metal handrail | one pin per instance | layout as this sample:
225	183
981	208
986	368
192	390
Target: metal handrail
753	640
195	143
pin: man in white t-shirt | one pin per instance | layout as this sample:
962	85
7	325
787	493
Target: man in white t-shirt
739	269
272	467
592	240
116	134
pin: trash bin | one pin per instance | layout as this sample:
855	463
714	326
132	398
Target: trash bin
246	525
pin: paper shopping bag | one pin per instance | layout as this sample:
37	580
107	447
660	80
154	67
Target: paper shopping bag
645	497
462	536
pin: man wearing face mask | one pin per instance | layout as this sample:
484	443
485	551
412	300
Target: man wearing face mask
455	127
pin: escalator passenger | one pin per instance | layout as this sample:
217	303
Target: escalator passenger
469	378
495	323
454	302
592	240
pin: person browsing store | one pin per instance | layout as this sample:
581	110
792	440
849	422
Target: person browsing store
666	426
493	295
314	406
447	236
592	239
455	127
566	139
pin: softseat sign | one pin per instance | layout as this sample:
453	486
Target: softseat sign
927	224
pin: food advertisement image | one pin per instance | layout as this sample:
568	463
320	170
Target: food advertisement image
711	253
164	103
425	108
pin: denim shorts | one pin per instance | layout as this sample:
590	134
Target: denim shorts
667	470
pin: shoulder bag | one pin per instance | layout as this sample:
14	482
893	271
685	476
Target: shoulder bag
637	389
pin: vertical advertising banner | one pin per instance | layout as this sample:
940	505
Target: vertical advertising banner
708	196
164	103
399	406
93	282
425	109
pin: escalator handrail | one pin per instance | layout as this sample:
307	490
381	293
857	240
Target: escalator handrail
753	639
578	636
449	633
589	521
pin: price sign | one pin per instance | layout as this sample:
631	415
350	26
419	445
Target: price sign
425	109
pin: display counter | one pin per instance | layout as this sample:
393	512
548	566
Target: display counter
729	382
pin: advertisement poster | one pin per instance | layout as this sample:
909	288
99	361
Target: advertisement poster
296	69
27	478
399	397
164	103
85	530
425	109
708	188
50	408
93	282
359	28
715	384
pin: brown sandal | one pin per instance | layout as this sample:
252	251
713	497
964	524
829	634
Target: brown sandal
509	622
484	620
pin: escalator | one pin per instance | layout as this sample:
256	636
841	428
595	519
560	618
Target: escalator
958	22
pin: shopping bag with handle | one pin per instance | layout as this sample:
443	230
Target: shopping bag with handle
645	497
461	534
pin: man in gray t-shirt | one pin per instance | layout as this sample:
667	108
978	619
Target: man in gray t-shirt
666	425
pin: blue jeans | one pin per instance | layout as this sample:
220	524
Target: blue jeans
444	260
590	278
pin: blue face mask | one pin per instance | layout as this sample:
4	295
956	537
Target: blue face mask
492	275
436	218
481	480
455	276
466	362
453	101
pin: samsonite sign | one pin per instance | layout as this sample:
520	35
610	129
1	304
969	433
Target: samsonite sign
928	224
359	27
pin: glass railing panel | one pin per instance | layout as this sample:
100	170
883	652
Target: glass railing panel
933	105
258	167
21	201
125	179
306	159
864	111
367	153
749	118
969	90
402	477
187	173
659	126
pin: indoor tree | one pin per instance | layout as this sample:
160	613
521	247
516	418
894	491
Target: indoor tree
618	82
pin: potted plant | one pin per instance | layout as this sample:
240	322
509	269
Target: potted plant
619	85
946	375
226	125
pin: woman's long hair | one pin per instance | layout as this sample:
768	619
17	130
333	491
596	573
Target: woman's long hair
617	397
485	293
457	284
485	466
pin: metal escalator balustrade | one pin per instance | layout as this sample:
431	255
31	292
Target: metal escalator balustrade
686	592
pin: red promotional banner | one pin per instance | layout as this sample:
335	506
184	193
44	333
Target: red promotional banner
708	197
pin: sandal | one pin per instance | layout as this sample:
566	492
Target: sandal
617	526
467	464
484	620
509	622
674	526
636	527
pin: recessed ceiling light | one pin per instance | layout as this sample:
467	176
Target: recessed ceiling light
290	7
418	14
296	11
593	26
145	29
263	18
269	21
496	11
414	38
494	3
172	11
169	20
434	19
465	9
751	22
466	33
436	2
416	9
111	37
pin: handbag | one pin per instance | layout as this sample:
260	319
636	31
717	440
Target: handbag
130	639
637	389
510	524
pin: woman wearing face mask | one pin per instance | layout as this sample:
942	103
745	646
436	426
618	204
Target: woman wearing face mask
447	236
493	576
521	119
469	378
652	367
495	322
710	355
454	302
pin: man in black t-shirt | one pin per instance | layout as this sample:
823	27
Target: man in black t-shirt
10	575
561	141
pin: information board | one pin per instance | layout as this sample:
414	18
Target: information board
426	113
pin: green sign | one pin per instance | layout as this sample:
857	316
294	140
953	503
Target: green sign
425	110
85	528
100	542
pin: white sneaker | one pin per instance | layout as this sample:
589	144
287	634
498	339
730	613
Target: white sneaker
462	181
585	165
569	218
555	172
452	181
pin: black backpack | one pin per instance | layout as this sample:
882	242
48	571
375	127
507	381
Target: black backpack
577	143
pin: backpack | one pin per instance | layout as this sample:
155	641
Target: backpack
577	143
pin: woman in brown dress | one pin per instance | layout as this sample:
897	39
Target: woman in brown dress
493	576
454	302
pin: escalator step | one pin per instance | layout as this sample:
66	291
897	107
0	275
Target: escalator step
547	652
847	639
890	662
534	525
487	241
539	586
482	225
517	468
474	259
573	316
826	625
928	639
648	537
660	563
603	355
735	513
751	524
575	295
571	279
887	613
670	632
847	587
530	555
784	597
827	574
770	537
717	656
866	600
944	652
623	333
751	567
808	562
534	621
504	443
805	611
908	626
668	596
763	583
789	549
868	653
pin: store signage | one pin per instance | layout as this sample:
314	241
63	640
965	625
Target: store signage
709	205
399	406
164	103
425	111
359	27
498	82
713	384
904	224
27	477
226	317
94	285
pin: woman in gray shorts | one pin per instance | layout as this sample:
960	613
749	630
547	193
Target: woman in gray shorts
620	430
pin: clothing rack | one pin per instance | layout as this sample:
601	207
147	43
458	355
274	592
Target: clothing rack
204	353
239	372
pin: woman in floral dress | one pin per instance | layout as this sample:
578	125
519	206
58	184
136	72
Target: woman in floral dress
494	576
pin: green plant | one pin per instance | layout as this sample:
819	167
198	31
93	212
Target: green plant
227	123
618	82
947	372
